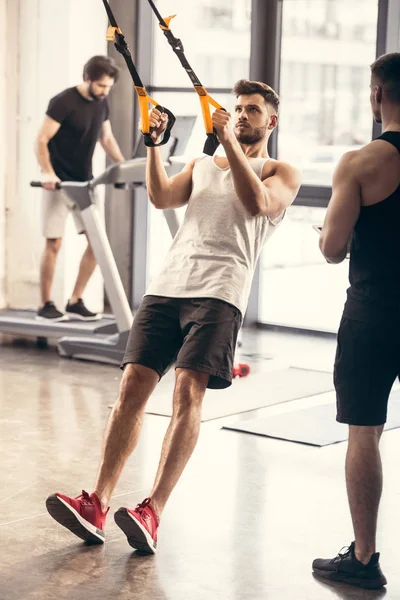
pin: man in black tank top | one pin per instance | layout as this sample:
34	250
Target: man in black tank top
365	208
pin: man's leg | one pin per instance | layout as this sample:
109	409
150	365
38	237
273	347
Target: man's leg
86	269
209	329
365	369
364	486
182	434
85	515
141	524
124	426
47	267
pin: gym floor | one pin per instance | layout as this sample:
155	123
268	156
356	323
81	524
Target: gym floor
244	523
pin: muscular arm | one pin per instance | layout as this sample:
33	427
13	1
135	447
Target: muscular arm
269	197
48	130
163	191
343	210
109	143
167	192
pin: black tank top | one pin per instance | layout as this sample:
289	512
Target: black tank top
374	272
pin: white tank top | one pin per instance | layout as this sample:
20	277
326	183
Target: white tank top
215	250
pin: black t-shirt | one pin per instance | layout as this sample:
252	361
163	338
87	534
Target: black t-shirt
71	149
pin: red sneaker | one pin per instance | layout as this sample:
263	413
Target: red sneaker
81	515
140	526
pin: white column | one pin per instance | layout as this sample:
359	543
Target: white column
55	39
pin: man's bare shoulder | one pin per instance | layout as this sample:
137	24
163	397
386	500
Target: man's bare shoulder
283	168
370	158
188	166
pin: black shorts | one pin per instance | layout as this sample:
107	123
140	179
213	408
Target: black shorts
366	366
193	333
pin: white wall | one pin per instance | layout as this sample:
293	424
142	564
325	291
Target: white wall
3	12
56	37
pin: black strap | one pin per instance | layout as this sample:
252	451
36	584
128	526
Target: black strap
176	45
123	48
211	144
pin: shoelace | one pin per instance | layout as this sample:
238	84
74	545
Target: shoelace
88	501
140	507
341	555
85	498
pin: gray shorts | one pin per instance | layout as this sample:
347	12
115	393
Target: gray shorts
56	205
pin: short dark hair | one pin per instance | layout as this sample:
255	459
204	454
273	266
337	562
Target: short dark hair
245	87
386	69
98	66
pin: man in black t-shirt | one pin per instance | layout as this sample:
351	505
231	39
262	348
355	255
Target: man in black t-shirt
75	120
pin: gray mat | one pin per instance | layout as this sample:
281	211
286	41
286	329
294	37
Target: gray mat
250	393
315	426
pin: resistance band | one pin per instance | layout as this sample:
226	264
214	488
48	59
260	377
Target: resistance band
114	34
212	142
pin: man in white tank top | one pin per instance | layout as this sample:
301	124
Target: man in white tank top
193	310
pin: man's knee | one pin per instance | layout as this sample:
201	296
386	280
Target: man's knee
365	434
53	245
190	387
137	383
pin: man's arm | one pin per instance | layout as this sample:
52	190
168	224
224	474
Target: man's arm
269	197
109	143
48	130
281	189
163	191
343	209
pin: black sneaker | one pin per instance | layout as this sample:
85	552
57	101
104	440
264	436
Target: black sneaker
48	312
346	568
79	311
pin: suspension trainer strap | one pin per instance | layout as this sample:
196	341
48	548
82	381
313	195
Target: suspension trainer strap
114	34
206	100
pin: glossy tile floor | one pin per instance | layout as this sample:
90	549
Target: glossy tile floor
244	523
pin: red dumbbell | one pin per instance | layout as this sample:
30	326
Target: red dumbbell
241	370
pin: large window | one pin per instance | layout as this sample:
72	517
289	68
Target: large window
298	287
216	39
327	47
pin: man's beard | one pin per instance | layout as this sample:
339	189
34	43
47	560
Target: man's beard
251	137
93	95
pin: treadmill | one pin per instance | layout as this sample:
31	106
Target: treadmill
104	340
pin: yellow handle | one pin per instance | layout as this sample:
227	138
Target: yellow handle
205	101
144	100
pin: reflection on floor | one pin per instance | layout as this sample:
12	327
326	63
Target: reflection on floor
244	523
